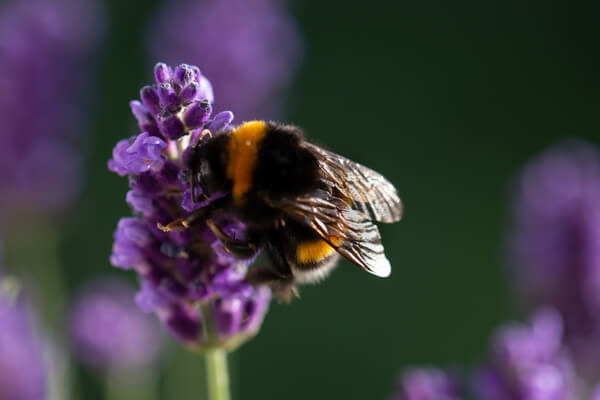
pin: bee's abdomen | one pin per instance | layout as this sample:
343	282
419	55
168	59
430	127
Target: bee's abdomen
310	252
314	260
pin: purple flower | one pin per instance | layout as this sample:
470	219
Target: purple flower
141	155
596	393
195	288
179	103
427	384
44	70
555	243
250	49
528	363
22	370
108	329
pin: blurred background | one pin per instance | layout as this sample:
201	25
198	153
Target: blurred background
447	100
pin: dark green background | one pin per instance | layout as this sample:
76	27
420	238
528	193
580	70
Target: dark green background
448	100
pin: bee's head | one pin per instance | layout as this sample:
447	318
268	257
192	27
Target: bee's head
207	167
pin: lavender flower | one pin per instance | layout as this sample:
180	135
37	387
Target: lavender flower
250	49
196	289
22	371
596	393
427	384
43	71
109	330
528	363
555	245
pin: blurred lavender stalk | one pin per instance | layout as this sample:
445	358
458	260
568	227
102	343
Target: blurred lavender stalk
427	384
112	335
596	393
529	362
251	50
32	252
555	243
22	369
44	74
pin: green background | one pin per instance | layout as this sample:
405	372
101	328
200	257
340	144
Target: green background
448	100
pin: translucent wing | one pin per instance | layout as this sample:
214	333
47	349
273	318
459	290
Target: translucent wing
368	190
349	231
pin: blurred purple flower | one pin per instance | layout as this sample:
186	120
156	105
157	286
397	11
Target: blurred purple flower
528	363
596	393
427	384
555	244
108	329
250	49
196	289
22	370
44	70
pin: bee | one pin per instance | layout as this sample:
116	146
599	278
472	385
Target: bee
303	205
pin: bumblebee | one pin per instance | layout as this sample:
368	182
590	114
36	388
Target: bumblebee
303	205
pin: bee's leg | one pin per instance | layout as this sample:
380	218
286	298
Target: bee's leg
242	249
282	286
179	224
279	278
195	218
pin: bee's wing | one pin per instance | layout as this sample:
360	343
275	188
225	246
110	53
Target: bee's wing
368	190
349	231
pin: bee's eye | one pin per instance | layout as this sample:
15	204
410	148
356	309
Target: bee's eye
203	175
204	168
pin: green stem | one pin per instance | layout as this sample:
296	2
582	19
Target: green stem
32	252
216	374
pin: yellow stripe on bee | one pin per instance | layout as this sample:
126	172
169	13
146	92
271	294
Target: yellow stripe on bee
315	251
242	151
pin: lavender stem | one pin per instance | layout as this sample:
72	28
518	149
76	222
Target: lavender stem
217	376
